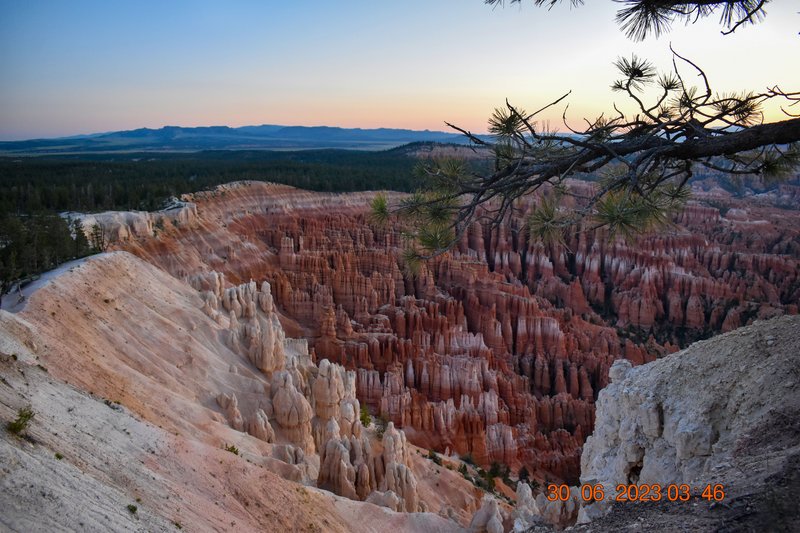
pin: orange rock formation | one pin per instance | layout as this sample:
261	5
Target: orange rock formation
496	350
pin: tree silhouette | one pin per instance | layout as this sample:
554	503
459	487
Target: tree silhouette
99	238
640	18
643	160
82	246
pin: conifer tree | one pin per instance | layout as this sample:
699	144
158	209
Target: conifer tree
641	161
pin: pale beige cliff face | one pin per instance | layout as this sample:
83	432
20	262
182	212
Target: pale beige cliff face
111	459
117	329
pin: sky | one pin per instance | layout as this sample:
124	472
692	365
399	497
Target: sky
86	66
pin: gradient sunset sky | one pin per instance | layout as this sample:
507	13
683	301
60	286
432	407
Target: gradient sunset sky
85	66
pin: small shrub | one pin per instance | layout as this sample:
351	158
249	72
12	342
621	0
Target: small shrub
380	423
432	455
524	474
59	456
366	420
462	470
19	425
177	525
233	449
468	459
484	481
132	508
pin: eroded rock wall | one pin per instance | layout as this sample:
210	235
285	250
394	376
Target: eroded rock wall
499	349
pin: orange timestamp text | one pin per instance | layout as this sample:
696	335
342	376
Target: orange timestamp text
636	493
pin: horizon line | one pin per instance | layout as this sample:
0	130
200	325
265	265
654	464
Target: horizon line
165	126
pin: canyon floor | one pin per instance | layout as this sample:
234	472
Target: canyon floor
259	319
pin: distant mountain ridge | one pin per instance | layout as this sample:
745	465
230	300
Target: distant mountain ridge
263	137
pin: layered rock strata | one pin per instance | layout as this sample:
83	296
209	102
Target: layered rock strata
499	349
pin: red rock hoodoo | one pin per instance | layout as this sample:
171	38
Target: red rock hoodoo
498	349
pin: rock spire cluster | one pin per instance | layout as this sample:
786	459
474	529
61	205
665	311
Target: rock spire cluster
498	349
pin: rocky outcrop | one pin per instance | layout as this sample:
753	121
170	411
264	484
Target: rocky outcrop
314	406
260	427
699	416
230	405
397	475
561	513
292	411
344	465
122	226
258	335
526	512
350	467
488	518
387	499
254	331
333	396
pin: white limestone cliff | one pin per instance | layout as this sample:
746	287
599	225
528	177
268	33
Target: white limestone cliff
681	419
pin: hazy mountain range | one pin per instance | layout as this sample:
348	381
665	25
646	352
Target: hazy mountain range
264	137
